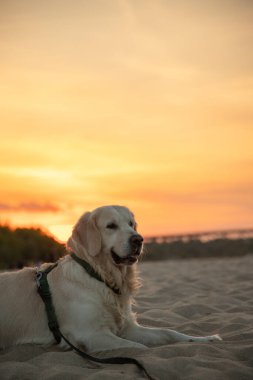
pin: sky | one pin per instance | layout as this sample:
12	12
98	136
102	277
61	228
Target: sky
147	104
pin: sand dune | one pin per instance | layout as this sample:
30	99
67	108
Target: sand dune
199	297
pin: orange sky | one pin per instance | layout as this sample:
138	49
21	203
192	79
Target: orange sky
142	103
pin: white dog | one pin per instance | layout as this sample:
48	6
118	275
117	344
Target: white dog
92	312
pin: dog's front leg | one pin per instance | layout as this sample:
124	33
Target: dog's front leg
106	340
159	336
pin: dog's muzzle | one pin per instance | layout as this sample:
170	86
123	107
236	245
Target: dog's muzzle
135	243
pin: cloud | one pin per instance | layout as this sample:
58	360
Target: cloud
29	207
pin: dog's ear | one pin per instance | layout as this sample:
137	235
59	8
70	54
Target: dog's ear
86	234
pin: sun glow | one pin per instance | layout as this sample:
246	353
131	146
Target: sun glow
146	104
61	231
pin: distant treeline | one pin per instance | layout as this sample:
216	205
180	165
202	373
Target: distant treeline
30	246
26	246
198	249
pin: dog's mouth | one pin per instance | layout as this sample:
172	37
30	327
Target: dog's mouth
128	260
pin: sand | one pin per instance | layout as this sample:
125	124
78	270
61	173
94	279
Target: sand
198	297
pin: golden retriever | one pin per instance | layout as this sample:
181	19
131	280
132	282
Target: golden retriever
90	312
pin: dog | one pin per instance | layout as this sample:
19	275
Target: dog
94	314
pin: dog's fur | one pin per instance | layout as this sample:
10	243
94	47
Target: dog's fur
89	313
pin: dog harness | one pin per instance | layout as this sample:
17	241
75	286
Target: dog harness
45	294
93	273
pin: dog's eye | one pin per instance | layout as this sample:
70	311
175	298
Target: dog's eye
112	226
131	224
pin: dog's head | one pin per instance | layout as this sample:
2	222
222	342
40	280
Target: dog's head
110	231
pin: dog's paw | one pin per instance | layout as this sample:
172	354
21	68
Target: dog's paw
214	338
217	337
204	339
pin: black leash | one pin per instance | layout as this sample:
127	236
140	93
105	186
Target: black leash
44	292
114	360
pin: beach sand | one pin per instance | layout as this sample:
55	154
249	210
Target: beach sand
197	297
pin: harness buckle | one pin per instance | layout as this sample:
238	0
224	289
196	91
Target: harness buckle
38	277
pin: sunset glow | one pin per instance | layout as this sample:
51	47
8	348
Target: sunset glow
146	104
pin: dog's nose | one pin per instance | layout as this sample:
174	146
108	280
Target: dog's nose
136	240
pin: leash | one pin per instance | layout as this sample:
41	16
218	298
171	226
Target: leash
45	294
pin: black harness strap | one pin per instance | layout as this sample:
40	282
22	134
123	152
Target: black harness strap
44	292
92	272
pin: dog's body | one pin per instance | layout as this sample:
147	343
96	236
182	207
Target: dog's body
89	312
